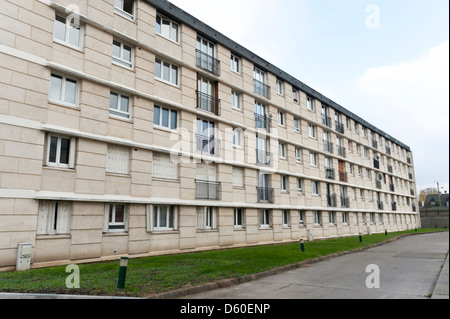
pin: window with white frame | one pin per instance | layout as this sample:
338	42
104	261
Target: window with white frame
368	175
300	185
165	118
166	72
332	218
239	218
352	169
235	100
167	28
162	218
372	218
279	87
119	105
163	167
312	130
63	90
237	137
315	187
60	151
281	120
122	54
238	176
359	171
282	150
53	218
295	97
363	217
298	154
125	8
116	218
362	195
286	218
284	183
265	218
312	159
345	218
296	125
235	63
67	32
206	218
118	159
301	218
310	103
317	216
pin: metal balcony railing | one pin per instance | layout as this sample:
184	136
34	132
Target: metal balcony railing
412	192
265	195
376	164
343	176
208	62
332	200
264	158
410	176
345	202
339	127
374	143
328	146
208	103
378	184
326	120
208	145
262	122
261	88
390	169
388	150
380	205
329	173
392	187
341	151
208	190
394	207
408	160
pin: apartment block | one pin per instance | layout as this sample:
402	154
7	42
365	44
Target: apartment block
131	128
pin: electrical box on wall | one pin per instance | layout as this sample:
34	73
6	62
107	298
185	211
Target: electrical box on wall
24	257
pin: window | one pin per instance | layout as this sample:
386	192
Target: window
163	218
332	218
366	152
166	72
235	100
315	187
372	218
265	218
317	218
298	154
163	167
301	218
368	174
239	220
60	151
117	159
119	105
124	8
282	150
350	146
53	218
300	185
310	103
295	95
164	117
345	218
361	194
238	177
352	169
122	54
359	171
235	64
296	125
237	137
116	218
356	128
284	183
67	32
313	159
167	28
63	90
279	87
312	131
286	218
364	220
358	149
281	118
206	218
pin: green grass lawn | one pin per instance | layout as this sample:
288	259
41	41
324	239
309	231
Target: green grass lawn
147	276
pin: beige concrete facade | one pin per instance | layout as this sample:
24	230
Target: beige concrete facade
69	162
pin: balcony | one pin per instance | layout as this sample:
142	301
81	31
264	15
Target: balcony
326	120
388	150
380	206
261	88
339	127
378	184
341	151
408	160
332	200
414	208
394	207
390	169
262	122
265	195
264	158
208	103
412	192
329	173
208	62
374	143
208	190
343	176
208	145
376	164
410	176
345	202
392	187
328	146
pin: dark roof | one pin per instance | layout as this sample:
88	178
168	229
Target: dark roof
181	16
435	198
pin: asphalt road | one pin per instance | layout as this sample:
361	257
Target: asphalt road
408	268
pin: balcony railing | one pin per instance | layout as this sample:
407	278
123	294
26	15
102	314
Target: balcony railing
208	145
208	190
262	122
329	173
326	120
412	192
408	160
264	158
376	164
410	176
261	88
265	195
339	127
341	151
390	169
332	200
378	184
345	202
343	176
394	207
388	150
392	187
208	103
380	205
374	143
328	146
208	62
414	209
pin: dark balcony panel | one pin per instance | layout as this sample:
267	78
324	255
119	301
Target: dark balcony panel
391	187
265	195
394	207
261	88
329	173
345	202
264	158
388	150
376	164
328	146
408	160
410	176
262	122
208	103
378	184
340	127
374	143
326	120
390	169
380	206
341	151
343	177
208	145
412	192
208	62
332	200
208	190
414	209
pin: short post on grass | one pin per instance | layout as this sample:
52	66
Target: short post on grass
122	272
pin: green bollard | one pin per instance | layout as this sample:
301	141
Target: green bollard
360	238
302	245
122	272
385	232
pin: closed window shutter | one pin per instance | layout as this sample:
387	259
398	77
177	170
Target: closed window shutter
164	167
43	215
62	225
118	159
200	218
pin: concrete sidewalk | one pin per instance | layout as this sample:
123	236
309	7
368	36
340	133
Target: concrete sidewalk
441	291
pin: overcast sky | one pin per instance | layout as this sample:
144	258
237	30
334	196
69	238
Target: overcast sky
386	61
